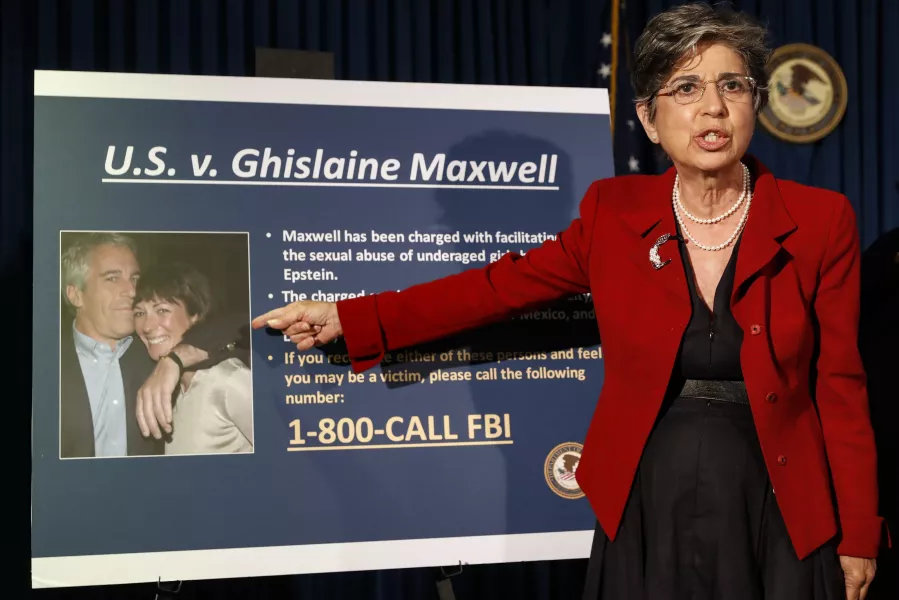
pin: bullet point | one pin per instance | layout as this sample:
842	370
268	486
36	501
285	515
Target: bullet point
268	235
270	357
271	295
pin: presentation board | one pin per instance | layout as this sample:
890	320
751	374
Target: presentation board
173	209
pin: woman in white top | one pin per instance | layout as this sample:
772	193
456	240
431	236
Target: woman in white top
213	410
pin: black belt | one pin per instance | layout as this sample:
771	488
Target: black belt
726	391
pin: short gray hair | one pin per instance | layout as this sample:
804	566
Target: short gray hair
75	260
675	35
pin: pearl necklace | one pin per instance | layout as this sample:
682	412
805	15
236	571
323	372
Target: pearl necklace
747	193
719	218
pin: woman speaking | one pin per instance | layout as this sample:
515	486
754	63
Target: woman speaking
731	453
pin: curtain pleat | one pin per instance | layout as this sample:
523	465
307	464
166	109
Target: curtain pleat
536	46
288	24
486	54
333	40
421	41
402	43
887	138
358	49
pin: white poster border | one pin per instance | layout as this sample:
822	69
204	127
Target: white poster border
266	561
110	569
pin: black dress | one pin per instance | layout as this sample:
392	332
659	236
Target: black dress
702	521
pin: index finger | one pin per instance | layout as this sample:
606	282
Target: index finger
267	318
166	402
141	423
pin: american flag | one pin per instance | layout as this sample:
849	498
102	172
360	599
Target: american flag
633	151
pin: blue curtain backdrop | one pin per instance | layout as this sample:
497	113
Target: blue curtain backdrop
518	42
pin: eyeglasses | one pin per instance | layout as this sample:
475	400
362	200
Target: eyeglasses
733	88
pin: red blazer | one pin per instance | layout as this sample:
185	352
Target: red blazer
796	297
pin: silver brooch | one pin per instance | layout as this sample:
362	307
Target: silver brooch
654	257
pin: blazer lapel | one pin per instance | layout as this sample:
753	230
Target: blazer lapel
76	436
768	225
651	216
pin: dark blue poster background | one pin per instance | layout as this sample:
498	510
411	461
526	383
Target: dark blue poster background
275	497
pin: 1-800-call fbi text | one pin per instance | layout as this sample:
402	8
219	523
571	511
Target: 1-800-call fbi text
397	430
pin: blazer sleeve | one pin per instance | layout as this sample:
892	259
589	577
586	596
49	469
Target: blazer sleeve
841	391
375	324
223	335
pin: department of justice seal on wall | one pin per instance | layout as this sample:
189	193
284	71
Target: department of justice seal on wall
559	470
807	94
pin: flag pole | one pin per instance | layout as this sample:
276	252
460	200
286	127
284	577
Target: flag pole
616	5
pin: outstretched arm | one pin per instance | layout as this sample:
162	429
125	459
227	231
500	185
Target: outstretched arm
375	324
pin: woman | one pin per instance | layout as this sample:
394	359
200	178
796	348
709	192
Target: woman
731	365
213	412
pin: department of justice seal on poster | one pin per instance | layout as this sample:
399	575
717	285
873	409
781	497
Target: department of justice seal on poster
560	467
807	94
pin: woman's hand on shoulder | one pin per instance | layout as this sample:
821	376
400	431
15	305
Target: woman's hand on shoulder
858	574
307	323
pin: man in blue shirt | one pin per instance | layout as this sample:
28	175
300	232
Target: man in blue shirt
102	370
